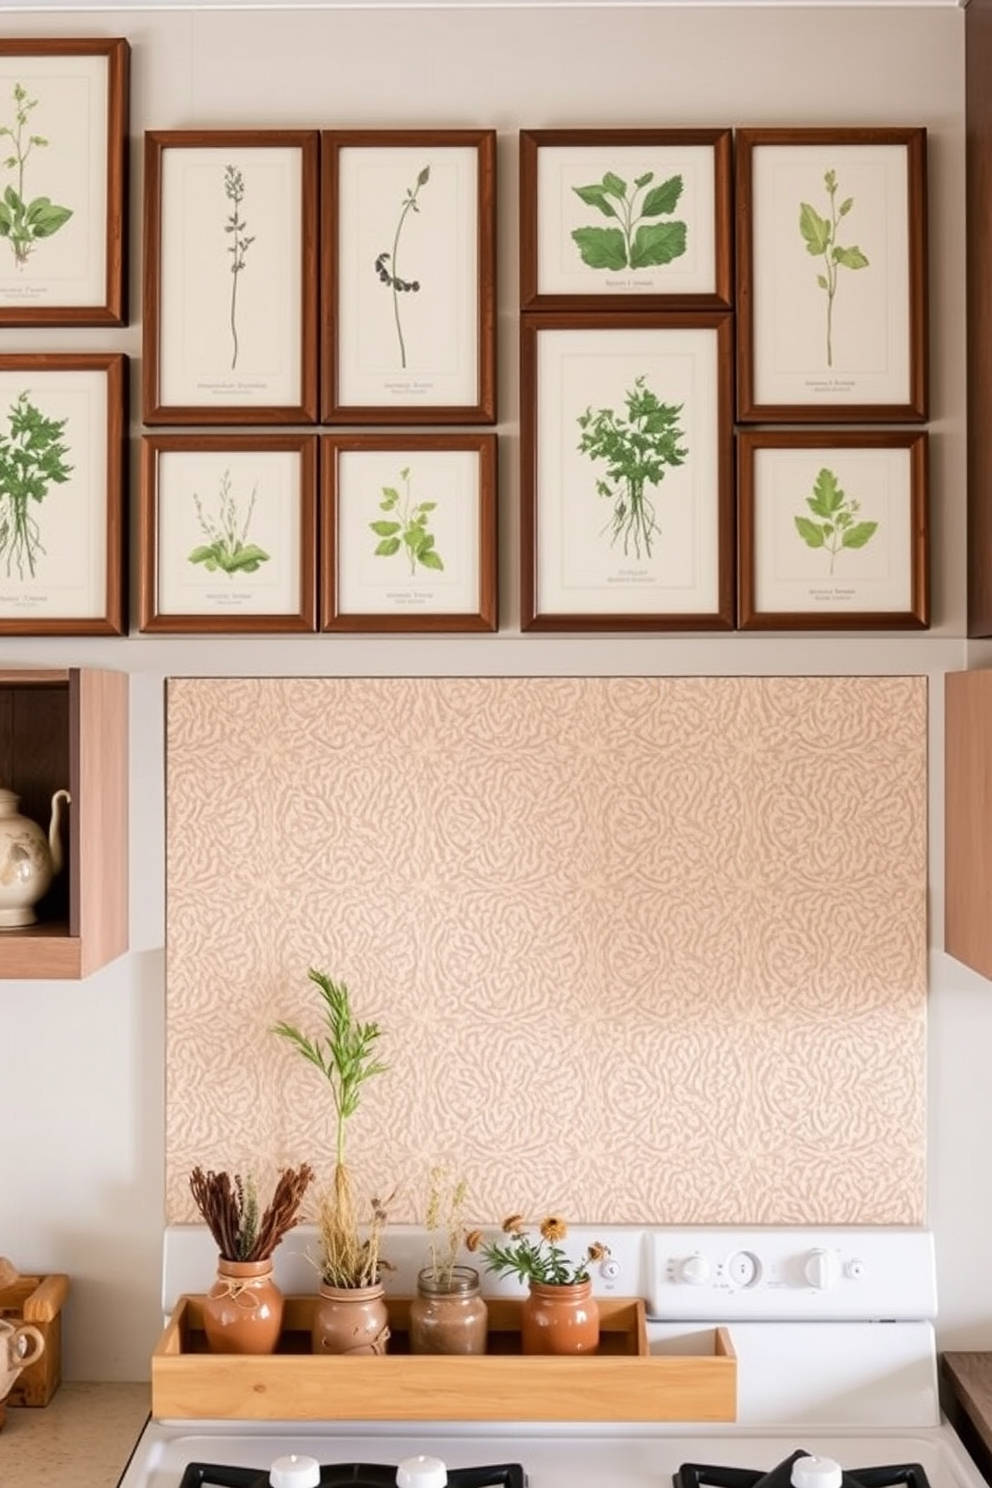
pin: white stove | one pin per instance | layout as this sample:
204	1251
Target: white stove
833	1331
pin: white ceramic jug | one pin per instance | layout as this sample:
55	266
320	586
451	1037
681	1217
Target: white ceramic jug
28	860
20	1345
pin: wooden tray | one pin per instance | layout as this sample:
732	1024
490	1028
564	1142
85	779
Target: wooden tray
622	1381
37	1300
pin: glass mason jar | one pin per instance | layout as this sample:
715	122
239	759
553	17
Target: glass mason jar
350	1320
448	1315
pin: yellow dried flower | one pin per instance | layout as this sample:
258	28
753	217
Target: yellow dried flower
513	1225
473	1240
597	1251
553	1229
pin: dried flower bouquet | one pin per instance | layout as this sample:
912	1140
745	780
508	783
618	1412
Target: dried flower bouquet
231	1210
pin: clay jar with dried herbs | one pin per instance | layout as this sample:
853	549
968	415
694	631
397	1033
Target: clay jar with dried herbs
559	1315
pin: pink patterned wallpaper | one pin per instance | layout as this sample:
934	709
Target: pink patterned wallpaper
645	950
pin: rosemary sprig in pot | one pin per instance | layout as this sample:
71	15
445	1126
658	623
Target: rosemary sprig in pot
230	1208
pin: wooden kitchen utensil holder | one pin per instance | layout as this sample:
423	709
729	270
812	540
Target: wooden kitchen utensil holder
37	1300
622	1381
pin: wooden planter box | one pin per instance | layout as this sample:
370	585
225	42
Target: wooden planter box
622	1381
37	1300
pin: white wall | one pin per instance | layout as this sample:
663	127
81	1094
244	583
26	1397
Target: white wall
81	1180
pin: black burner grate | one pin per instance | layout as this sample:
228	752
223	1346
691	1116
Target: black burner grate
701	1475
350	1475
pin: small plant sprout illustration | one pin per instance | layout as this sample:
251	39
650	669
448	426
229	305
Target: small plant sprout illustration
227	546
639	241
387	264
820	236
234	190
637	448
406	527
837	527
25	222
32	459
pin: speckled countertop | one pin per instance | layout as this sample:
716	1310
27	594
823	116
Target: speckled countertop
81	1439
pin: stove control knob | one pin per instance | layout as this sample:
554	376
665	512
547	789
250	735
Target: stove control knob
816	1472
421	1472
695	1269
822	1269
295	1472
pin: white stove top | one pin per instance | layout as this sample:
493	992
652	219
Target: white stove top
833	1333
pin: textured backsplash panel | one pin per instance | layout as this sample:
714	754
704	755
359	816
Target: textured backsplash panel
644	950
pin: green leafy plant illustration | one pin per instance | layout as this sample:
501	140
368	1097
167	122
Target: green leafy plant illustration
227	547
405	528
837	527
234	190
387	264
637	448
820	236
25	222
32	459
638	241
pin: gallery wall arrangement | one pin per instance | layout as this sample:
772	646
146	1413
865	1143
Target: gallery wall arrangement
723	373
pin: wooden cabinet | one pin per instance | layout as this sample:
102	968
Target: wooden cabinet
978	169
968	818
68	729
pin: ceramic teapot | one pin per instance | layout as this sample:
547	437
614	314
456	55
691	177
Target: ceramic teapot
20	1345
28	860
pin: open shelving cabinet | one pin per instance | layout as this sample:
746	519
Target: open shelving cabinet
68	729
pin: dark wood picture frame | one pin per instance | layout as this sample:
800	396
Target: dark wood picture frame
92	280
79	425
600	582
232	549
403	520
793	207
375	367
644	256
799	515
198	367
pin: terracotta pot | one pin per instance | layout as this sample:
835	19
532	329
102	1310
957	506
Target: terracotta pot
350	1320
559	1319
242	1312
448	1316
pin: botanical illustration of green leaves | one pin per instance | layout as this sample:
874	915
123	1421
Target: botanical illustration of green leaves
837	527
387	264
638	241
227	547
32	458
24	222
234	190
637	449
820	236
404	528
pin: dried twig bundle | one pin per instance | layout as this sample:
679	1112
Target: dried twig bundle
230	1210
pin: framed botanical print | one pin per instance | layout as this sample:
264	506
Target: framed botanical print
833	530
832	275
230	277
63	181
627	510
408	254
625	218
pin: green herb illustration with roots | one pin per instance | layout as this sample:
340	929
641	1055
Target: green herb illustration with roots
637	449
387	264
32	459
820	236
234	190
25	222
837	527
227	547
406	527
638	242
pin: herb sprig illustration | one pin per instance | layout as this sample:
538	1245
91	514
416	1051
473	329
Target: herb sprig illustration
406	530
637	449
638	242
32	459
227	547
820	236
838	527
387	264
25	222
234	190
